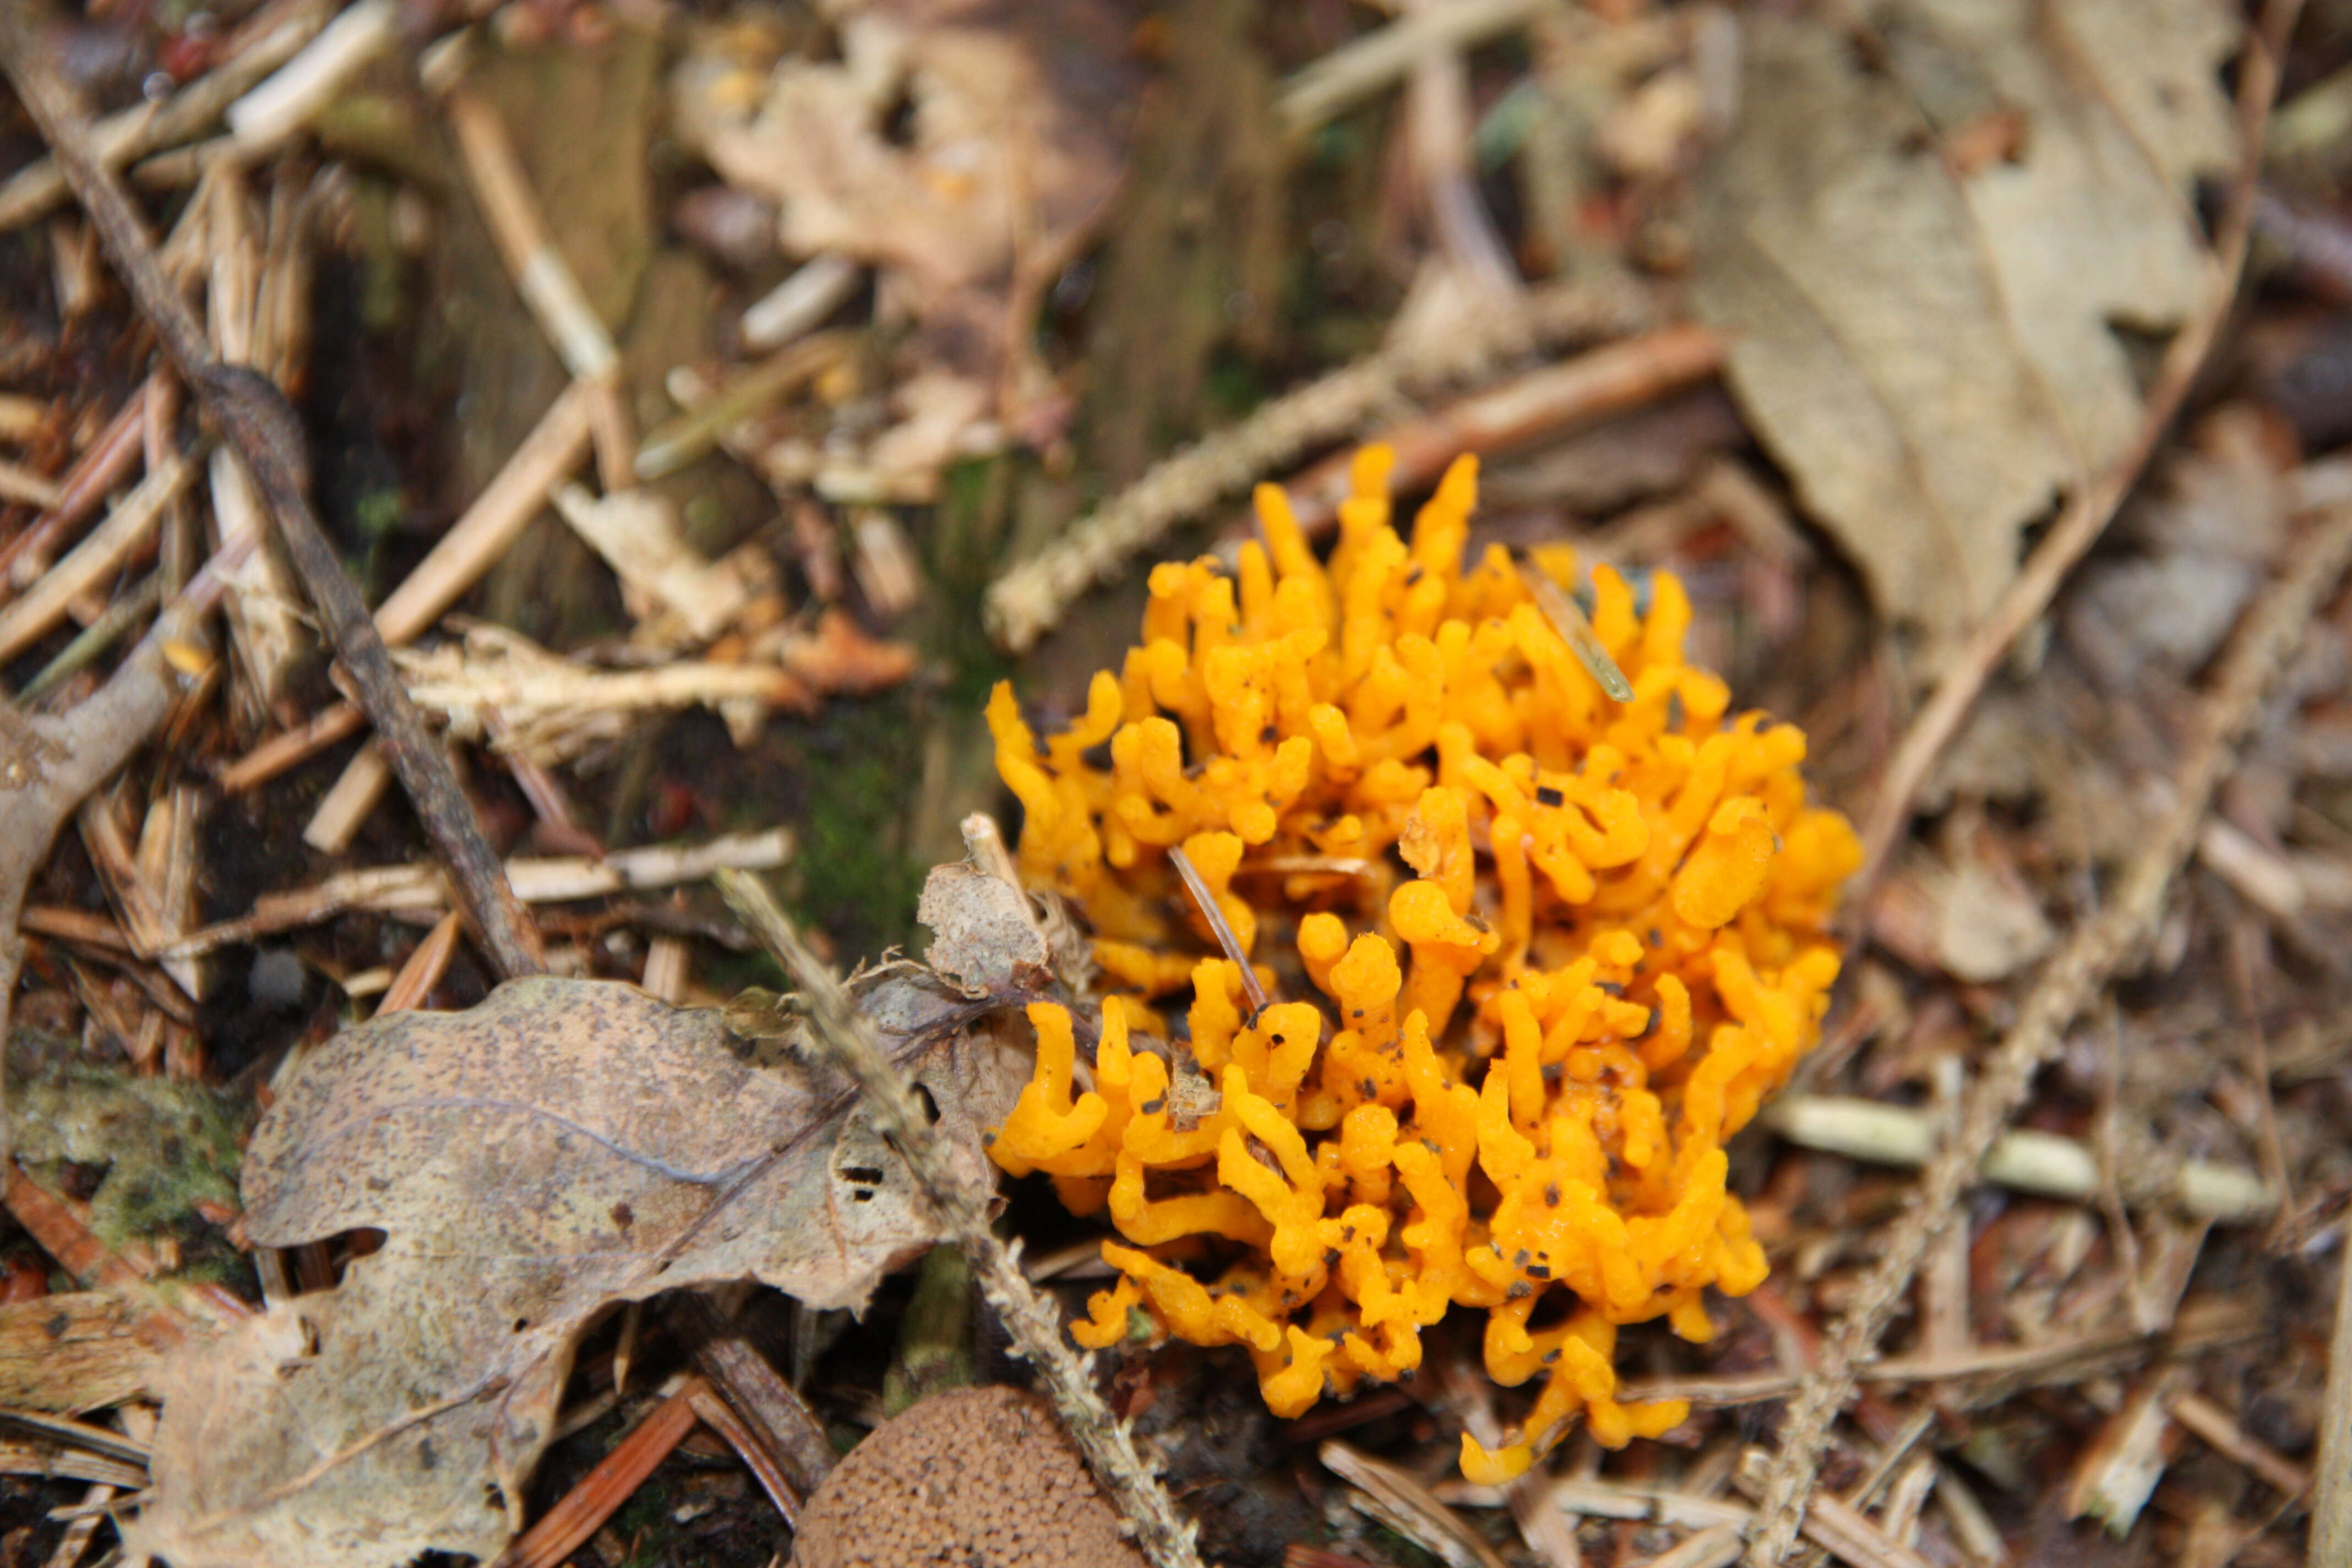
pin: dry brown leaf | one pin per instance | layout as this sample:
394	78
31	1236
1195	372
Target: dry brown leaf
1929	345
643	539
1989	926
838	657
961	148
983	926
565	1146
995	151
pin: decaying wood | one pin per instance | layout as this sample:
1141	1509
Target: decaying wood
545	280
75	1351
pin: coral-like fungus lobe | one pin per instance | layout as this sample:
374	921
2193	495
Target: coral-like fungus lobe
1545	953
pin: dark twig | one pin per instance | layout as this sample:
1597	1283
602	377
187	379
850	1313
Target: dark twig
253	417
569	1524
848	1037
767	1402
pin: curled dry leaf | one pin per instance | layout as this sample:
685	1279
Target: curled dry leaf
562	1147
1925	318
1009	146
838	657
983	926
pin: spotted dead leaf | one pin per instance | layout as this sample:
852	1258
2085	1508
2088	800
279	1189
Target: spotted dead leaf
1932	242
565	1146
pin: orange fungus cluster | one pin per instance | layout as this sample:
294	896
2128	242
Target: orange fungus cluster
1536	954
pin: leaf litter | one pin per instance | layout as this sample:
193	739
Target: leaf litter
1932	243
563	1147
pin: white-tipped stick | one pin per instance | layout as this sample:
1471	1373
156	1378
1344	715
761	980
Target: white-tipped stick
540	274
800	303
307	83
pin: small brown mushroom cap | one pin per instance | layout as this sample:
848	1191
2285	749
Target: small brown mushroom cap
980	1477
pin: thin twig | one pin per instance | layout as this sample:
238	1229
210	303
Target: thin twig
101	466
2087	513
752	1447
535	879
2331	1510
306	84
1221	929
1329	85
291	748
570	1523
27	619
1611	379
422	970
2221	1429
768	1407
253	417
822	286
1036	1326
1397	1500
489	527
124	138
2267	638
1575	630
1027	601
24	487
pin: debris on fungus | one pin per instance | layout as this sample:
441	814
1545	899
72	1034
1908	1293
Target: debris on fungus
975	1476
1514	1086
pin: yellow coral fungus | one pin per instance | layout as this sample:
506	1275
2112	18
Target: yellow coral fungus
1511	1089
